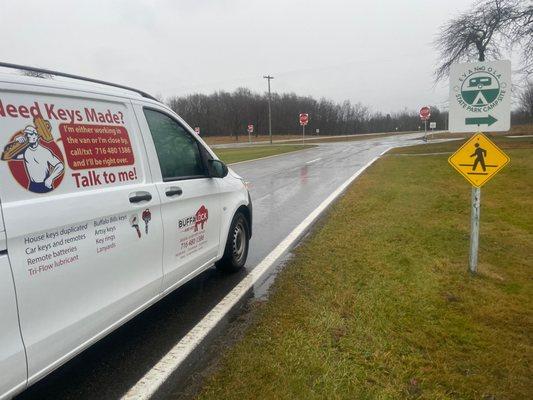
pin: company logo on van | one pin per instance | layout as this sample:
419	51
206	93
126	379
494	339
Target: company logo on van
34	159
196	221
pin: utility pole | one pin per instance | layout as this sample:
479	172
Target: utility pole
268	77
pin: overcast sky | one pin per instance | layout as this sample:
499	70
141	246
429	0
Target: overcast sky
376	52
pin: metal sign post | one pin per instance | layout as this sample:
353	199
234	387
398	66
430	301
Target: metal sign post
425	113
304	119
474	229
480	96
250	131
432	126
478	160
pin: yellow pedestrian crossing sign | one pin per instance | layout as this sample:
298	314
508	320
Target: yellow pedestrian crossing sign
478	160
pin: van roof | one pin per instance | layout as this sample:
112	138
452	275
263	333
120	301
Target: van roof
68	81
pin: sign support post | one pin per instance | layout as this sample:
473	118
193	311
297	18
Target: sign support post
304	119
479	96
250	130
478	160
474	229
425	113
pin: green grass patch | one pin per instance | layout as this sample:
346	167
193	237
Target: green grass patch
234	155
378	303
503	142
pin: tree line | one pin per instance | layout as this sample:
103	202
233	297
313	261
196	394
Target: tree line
229	113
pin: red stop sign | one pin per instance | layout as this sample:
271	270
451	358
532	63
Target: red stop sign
304	118
250	128
425	113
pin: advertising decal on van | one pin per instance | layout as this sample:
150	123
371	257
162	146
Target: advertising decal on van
193	242
36	161
49	147
135	223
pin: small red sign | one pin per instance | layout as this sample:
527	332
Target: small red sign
250	128
304	118
197	130
425	113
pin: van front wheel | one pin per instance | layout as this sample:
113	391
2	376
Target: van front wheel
237	245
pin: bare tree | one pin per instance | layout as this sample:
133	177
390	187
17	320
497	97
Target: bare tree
523	34
489	27
526	100
229	113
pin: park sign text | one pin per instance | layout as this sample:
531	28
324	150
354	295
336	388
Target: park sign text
480	96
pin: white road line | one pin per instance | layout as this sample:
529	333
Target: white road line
315	160
148	385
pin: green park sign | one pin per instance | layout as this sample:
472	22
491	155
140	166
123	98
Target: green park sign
480	96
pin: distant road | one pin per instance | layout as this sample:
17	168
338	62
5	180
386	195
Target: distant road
309	138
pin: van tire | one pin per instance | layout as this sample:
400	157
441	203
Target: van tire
237	245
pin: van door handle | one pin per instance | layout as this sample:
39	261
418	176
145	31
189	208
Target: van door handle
137	197
173	191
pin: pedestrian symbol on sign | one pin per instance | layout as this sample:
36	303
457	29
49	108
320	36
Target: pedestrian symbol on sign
478	160
480	155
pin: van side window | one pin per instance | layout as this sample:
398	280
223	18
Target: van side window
178	152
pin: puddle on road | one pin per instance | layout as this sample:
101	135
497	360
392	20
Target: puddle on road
260	291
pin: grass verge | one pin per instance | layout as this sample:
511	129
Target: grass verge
378	304
525	129
234	155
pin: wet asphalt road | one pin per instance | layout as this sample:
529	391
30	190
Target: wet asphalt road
284	190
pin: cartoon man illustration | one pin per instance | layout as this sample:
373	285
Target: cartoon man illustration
480	155
42	166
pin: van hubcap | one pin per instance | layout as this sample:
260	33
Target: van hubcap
239	242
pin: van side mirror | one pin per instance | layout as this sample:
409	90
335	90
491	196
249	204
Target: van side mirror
217	169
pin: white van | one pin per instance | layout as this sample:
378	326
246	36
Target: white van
109	201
